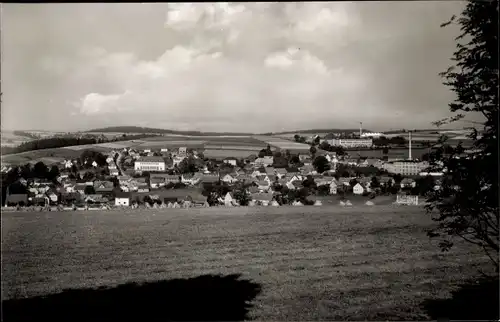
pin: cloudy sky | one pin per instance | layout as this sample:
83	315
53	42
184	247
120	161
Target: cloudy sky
226	67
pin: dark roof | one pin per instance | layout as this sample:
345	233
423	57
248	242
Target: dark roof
292	169
121	194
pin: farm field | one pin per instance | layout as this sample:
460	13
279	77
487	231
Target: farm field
45	155
284	144
224	153
312	263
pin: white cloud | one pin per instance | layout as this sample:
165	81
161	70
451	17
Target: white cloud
299	58
230	66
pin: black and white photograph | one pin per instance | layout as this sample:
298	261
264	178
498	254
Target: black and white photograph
250	161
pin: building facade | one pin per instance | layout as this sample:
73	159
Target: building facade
351	143
149	164
409	168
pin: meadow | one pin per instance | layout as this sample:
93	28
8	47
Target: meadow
312	263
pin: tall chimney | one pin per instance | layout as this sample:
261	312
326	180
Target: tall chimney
360	129
409	152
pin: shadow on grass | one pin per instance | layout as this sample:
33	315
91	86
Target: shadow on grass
472	301
204	298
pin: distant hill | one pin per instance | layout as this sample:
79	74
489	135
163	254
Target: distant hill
137	129
313	131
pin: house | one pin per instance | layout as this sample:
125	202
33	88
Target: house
163	150
292	171
95	198
358	189
303	157
252	189
229	179
112	166
94	164
177	160
122	199
265	161
156	182
103	186
280	172
69	187
263	198
209	178
270	179
385	180
114	172
67	164
239	172
183	151
369	163
149	164
80	188
308	169
295	178
307	162
52	196
297	184
142	187
189	179
323	181
345	181
333	188
228	199
123	179
263	185
270	171
257	173
408	183
171	178
232	161
290	186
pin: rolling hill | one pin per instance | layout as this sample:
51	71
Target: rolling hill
137	129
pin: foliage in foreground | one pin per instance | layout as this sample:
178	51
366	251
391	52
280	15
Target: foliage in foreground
468	201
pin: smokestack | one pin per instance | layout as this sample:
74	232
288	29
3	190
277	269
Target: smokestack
360	129
409	152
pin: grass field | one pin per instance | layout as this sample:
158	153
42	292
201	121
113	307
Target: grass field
313	263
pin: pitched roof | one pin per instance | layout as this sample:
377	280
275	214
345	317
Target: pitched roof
263	183
292	169
156	180
121	194
280	170
269	170
150	159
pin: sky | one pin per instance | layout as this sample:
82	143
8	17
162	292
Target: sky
235	67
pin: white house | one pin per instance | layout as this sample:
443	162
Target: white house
182	150
149	164
358	189
189	179
229	179
68	164
147	150
94	164
122	199
176	160
333	188
232	161
163	150
228	199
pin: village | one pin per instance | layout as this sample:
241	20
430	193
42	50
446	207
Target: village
183	177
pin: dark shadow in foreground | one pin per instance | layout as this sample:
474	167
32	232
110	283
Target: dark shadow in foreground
204	298
472	301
